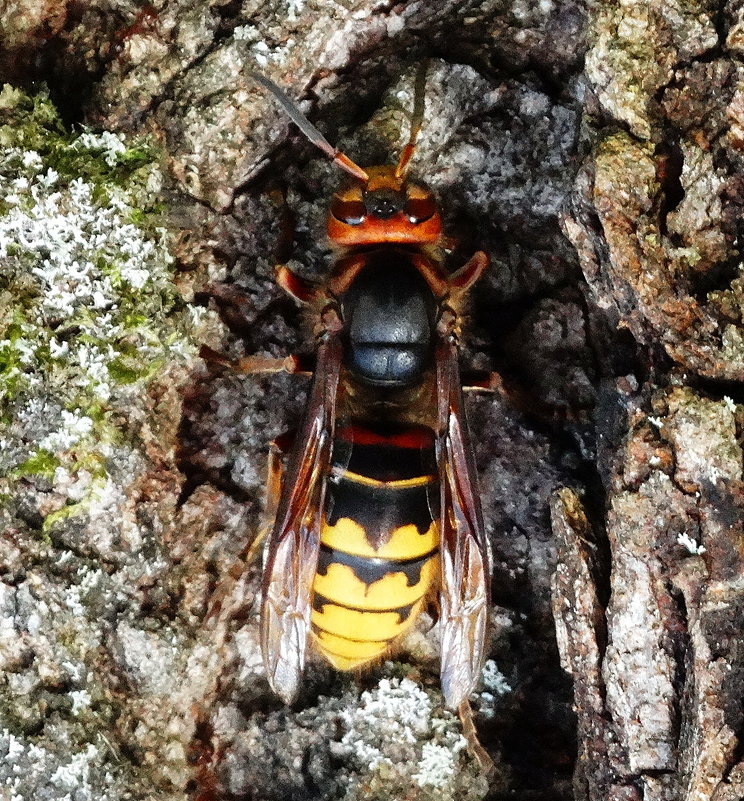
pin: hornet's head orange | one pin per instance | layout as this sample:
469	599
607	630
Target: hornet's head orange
381	205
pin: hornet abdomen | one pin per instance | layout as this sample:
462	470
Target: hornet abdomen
379	556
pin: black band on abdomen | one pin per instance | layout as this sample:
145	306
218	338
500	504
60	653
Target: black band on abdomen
369	570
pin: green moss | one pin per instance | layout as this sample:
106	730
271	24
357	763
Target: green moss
92	460
92	463
11	370
137	156
40	463
126	373
97	412
33	124
87	302
65	513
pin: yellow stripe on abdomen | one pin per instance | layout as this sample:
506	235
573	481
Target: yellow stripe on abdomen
379	554
405	542
361	605
348	638
354	624
340	583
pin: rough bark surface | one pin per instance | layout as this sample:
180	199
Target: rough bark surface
594	150
649	620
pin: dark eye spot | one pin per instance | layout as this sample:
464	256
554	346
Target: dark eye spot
351	212
383	203
420	209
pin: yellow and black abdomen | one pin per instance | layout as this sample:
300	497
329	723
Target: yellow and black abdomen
379	553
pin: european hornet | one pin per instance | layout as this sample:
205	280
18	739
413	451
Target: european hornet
377	514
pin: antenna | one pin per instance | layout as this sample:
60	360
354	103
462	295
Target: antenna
417	118
307	128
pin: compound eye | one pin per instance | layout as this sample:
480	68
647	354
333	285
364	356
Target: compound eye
420	209
351	212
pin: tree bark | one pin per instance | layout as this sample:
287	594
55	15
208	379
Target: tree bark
594	151
657	665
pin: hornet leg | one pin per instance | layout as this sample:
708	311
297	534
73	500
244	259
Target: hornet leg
225	597
471	735
257	365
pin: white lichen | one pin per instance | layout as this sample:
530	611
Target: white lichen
294	9
112	145
495	685
494	680
245	33
396	731
436	766
93	309
82	252
25	767
80	700
76	772
74	426
692	546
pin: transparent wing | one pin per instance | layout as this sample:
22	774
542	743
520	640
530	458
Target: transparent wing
292	550
464	594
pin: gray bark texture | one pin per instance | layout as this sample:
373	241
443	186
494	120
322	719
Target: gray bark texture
594	150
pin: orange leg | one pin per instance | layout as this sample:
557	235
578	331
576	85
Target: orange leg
484	382
520	399
275	471
471	735
257	365
223	598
